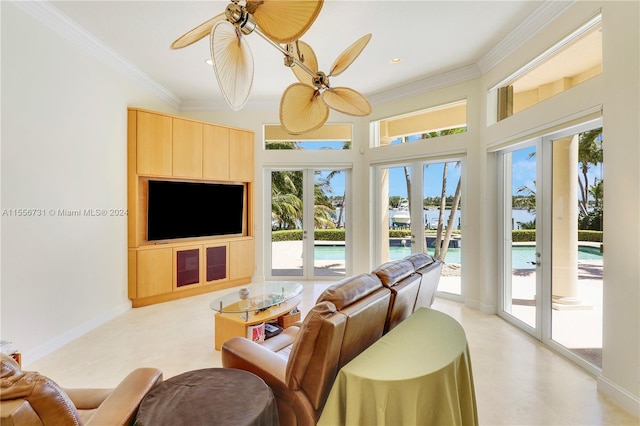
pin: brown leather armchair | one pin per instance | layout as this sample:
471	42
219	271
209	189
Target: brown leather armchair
29	398
300	375
301	363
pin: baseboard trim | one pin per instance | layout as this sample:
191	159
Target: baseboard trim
488	309
472	303
620	396
70	335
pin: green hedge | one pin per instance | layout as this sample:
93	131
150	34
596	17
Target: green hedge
336	234
595	236
293	235
518	236
320	235
523	235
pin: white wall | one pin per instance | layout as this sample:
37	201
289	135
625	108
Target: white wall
64	127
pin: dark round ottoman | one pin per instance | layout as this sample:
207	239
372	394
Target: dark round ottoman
212	396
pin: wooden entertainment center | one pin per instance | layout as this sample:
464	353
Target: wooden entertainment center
170	148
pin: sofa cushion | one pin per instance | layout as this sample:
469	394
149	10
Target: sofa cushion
403	300
391	273
350	290
420	260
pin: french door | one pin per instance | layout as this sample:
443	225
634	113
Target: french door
551	250
308	223
420	213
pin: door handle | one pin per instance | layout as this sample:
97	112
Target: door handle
535	263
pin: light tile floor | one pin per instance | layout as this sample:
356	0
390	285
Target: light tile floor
518	381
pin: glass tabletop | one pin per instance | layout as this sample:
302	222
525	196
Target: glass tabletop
257	297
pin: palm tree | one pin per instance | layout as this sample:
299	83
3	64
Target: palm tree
589	153
286	205
323	211
442	244
275	145
331	175
529	200
597	192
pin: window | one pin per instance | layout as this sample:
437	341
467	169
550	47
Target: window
328	137
575	59
426	124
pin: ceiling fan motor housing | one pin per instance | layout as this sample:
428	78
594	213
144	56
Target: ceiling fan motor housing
239	17
320	80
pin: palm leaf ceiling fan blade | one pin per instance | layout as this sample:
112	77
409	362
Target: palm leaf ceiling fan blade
198	33
347	101
284	21
232	63
310	61
302	109
349	55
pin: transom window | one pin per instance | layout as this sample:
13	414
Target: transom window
328	137
418	126
574	60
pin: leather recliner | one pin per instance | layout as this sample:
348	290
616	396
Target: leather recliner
29	398
301	363
429	270
300	375
400	277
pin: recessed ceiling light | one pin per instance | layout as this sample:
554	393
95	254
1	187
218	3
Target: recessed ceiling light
209	61
395	60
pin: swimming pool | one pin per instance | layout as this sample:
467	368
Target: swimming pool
521	255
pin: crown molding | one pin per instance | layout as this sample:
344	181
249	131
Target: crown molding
538	20
251	105
63	25
424	85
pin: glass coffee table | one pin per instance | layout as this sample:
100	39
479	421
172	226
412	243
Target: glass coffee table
238	311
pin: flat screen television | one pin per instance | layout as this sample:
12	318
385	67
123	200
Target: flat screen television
178	209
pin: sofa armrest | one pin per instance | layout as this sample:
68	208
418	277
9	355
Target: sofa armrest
18	412
87	399
121	406
244	354
282	340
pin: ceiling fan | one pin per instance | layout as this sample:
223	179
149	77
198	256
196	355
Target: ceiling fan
304	105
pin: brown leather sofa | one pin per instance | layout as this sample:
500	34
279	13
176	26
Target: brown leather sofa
399	277
429	270
301	363
29	398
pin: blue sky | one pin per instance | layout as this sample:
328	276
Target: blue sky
398	186
397	183
523	174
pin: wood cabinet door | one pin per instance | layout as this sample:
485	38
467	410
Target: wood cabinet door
241	259
240	155
216	263
187	149
153	144
215	152
187	264
154	271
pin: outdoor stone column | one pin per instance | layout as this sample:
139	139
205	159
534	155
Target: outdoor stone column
564	273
